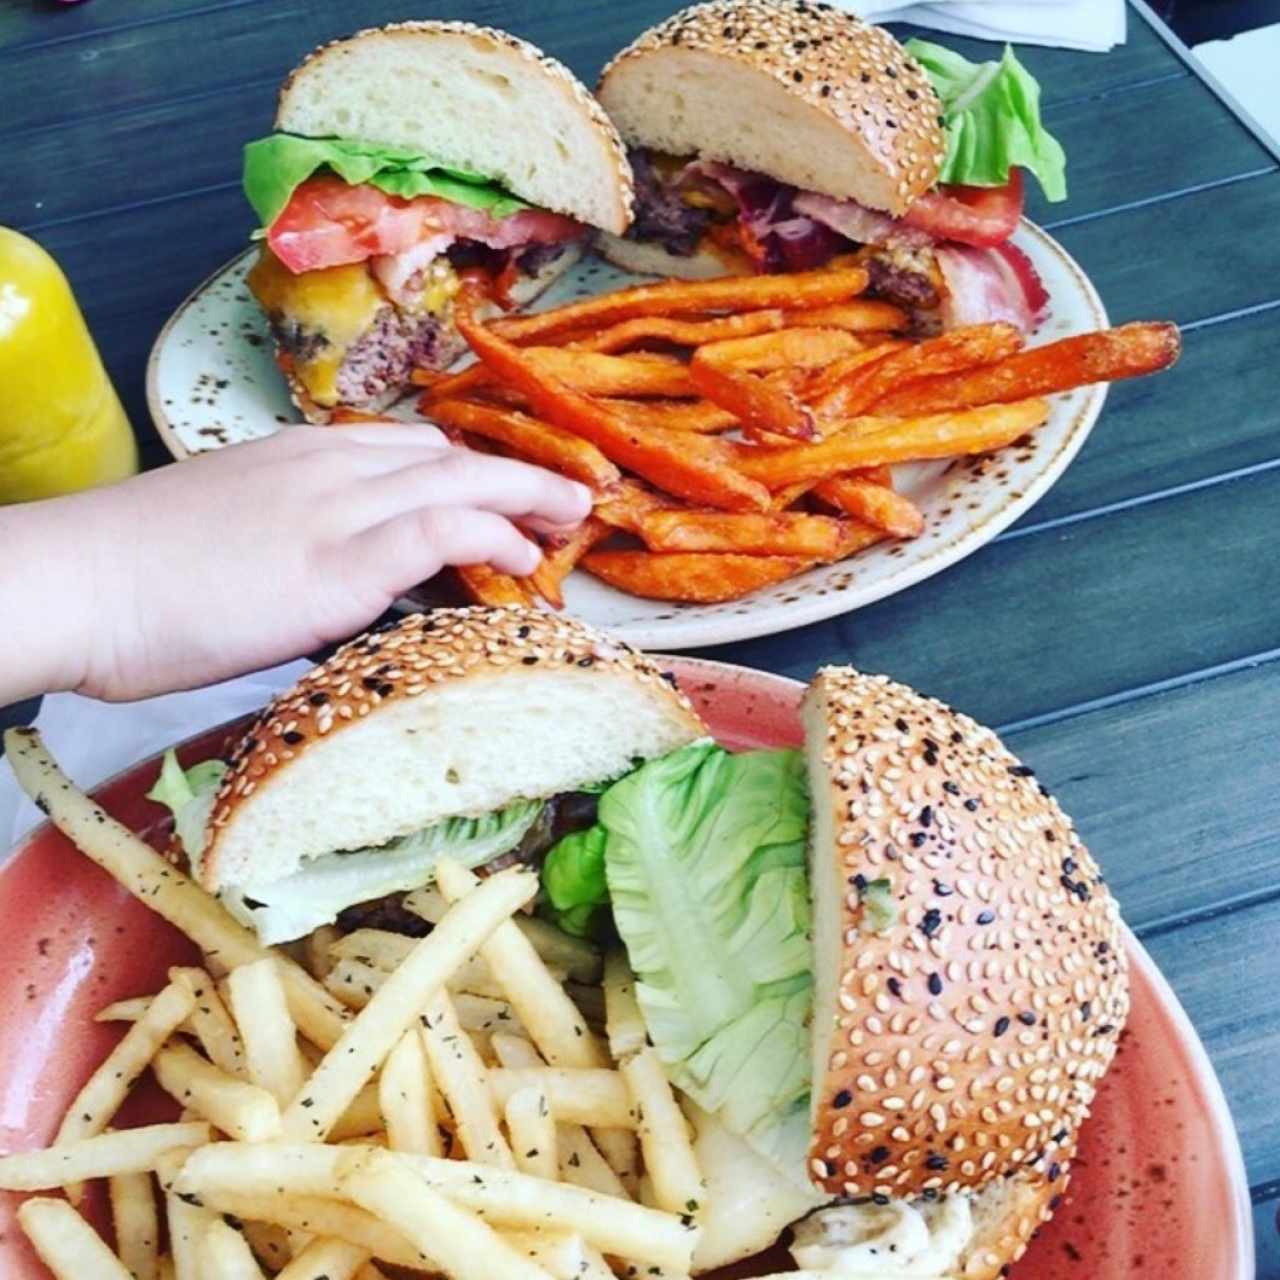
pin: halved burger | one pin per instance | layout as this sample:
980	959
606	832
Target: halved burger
780	136
882	973
404	157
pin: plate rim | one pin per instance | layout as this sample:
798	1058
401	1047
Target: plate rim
688	627
1222	1123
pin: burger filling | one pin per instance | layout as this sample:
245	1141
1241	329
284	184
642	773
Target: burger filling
924	1239
364	250
948	259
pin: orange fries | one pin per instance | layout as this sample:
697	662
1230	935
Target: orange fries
786	533
692	466
739	431
1127	352
529	439
959	349
691	297
484	585
692	577
880	442
560	556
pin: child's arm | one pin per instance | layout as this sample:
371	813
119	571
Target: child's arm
251	555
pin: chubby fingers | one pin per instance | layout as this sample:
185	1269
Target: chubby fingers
411	546
458	477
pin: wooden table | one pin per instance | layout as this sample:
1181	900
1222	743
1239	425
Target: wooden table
1125	634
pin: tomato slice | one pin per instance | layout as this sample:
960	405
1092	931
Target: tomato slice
980	216
328	222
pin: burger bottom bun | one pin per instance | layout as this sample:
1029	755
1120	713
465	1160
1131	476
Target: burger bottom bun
654	260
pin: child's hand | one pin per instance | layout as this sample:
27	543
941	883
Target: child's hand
251	555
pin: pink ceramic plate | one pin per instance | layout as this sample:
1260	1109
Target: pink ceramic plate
1159	1188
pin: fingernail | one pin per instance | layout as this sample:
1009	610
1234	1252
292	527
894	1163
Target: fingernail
585	496
533	556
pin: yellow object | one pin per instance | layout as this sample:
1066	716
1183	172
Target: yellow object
62	427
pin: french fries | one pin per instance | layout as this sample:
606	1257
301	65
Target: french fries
873	502
484	585
66	1243
135	1223
224	1253
374	1031
664	1135
96	1103
559	559
270	1039
105	1156
405	1098
328	1258
166	890
211	1022
532	1129
1131	351
590	1096
242	1110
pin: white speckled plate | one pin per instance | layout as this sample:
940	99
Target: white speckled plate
211	381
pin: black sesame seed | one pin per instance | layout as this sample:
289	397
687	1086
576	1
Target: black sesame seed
293	737
1055	1170
880	1198
901	725
842	1099
859	881
522	633
931	923
318	699
950	788
1027	1018
529	661
826	90
971	805
918	838
1022	771
865	78
1002	1025
1068	865
926	815
798	77
935	984
586	662
942	890
895	987
1085	1010
935	1161
986	917
879	1155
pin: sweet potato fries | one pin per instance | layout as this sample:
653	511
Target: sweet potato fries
739	431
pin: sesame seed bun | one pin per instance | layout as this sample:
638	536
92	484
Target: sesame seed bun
957	1048
805	93
474	98
458	712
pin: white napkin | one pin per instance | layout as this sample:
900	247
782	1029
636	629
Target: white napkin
1093	26
94	740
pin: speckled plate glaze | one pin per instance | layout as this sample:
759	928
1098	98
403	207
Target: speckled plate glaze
1159	1186
212	381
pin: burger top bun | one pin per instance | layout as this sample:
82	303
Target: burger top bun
443	714
803	92
959	1033
474	98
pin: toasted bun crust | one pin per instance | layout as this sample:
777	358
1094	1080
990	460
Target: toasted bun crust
964	1042
834	104
1006	1213
459	711
645	258
477	98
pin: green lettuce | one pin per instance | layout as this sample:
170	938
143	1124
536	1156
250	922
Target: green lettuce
274	167
991	115
321	888
705	864
575	892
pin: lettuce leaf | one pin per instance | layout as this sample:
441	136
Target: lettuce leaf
321	888
274	167
705	864
576	894
991	115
